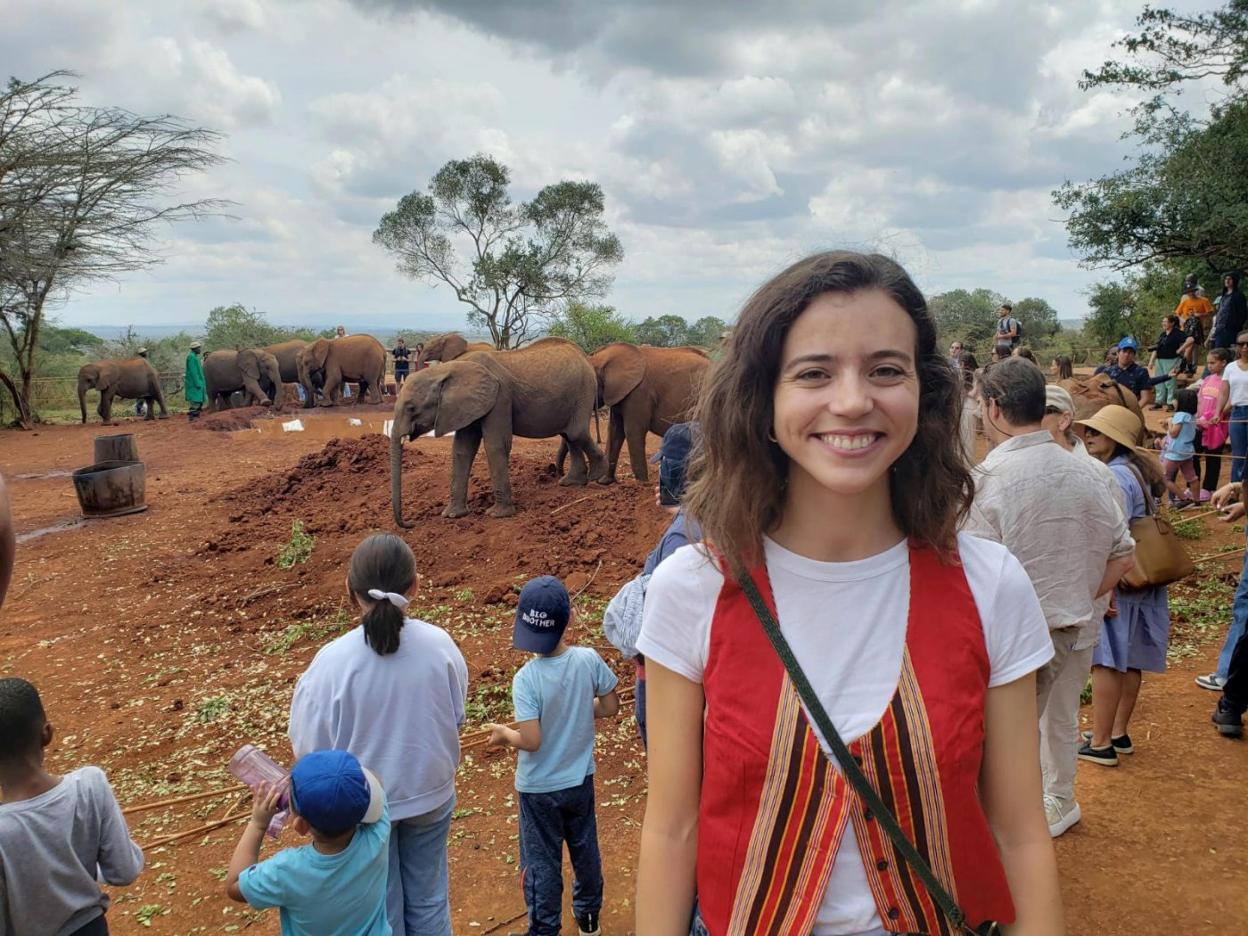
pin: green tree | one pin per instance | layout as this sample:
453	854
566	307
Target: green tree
666	331
590	326
1112	313
83	191
513	265
1039	319
237	327
706	331
1185	198
966	316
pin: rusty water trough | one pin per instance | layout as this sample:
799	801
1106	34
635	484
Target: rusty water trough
111	488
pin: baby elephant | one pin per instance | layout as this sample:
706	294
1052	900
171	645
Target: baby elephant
131	379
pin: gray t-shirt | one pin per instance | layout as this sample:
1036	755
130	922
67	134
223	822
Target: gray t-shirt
50	849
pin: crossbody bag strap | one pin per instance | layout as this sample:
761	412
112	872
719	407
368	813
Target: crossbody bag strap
1148	495
849	767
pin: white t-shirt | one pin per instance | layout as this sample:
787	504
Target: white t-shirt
852	659
1238	379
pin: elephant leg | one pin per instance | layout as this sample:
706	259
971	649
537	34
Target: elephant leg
151	409
106	406
498	452
635	430
615	441
159	396
577	475
463	452
561	456
256	392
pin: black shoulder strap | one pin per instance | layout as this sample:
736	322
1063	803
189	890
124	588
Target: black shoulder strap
853	773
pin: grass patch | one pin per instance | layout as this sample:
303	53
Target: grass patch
1198	613
298	549
489	702
315	630
1188	529
211	709
464	594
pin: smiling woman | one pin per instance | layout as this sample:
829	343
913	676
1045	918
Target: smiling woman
830	482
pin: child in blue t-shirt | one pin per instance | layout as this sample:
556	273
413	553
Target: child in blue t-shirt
557	695
338	883
1180	452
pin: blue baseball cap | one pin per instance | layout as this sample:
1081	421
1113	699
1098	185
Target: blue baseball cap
333	792
541	615
1128	344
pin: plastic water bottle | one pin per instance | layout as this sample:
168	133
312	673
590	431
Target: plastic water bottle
252	766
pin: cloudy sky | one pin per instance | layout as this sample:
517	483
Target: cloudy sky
729	138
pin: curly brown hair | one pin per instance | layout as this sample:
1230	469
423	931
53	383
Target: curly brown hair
739	476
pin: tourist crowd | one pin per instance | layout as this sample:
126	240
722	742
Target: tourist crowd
859	655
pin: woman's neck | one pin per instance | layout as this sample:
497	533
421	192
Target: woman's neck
829	527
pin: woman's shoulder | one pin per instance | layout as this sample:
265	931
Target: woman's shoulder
693	563
982	559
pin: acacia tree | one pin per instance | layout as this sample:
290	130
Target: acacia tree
1185	199
513	265
82	192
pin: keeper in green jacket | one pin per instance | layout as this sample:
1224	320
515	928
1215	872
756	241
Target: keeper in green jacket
194	389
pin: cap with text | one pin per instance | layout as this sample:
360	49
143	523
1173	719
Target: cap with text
541	615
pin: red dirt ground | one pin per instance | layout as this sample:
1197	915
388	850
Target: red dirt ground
162	641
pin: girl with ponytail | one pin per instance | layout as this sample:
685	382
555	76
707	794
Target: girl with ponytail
392	692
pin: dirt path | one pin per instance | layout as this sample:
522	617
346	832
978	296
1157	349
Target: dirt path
163	640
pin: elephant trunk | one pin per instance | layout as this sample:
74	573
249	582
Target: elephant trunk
82	398
396	478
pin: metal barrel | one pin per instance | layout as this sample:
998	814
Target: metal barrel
120	447
111	488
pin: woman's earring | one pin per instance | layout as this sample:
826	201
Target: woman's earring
772	435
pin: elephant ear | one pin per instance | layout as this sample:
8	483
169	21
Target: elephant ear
319	353
467	392
621	367
249	363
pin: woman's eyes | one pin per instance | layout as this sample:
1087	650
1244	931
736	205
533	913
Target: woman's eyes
883	372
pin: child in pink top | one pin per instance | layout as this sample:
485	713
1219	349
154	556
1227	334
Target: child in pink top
1211	431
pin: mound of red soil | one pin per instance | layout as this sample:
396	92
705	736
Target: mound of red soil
594	537
231	420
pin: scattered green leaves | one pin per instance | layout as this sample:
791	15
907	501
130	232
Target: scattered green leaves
211	709
143	916
299	549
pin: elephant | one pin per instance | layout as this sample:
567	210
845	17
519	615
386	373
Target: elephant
328	363
130	379
287	354
542	390
252	370
448	347
1091	393
648	389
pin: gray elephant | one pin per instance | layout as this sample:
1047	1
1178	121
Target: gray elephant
540	391
131	379
287	354
329	363
252	371
448	347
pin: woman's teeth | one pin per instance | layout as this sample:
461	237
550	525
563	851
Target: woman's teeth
848	442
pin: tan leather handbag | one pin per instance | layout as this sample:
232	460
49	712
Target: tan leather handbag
1159	554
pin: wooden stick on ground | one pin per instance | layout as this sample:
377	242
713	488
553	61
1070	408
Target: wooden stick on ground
579	500
1221	555
198	830
159	804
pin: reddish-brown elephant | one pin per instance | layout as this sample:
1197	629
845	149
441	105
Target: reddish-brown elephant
1091	393
648	389
131	379
448	347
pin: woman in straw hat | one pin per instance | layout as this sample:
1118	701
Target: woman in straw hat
1135	638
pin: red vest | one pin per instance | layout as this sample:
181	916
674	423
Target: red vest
773	809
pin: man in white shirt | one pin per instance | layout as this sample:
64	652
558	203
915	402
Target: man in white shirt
1055	513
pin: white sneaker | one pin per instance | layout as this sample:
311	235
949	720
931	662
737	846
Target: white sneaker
1060	816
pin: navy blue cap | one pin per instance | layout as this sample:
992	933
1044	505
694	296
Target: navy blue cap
673	457
541	615
333	792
